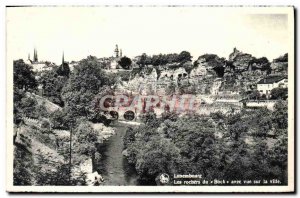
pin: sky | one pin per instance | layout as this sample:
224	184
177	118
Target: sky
83	31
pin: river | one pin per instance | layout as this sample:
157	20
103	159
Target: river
114	167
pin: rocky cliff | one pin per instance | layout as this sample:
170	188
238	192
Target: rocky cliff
210	74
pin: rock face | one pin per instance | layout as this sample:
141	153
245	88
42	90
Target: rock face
240	60
243	71
280	65
174	75
214	65
210	74
205	76
199	72
142	80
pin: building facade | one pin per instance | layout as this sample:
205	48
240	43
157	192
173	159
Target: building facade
264	86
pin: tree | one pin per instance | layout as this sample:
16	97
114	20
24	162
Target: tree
171	58
188	144
96	113
125	62
161	59
150	119
82	86
237	129
63	70
158	156
280	115
283	58
279	93
261	61
254	95
24	77
129	136
52	84
58	120
184	56
143	60
58	175
23	169
18	95
85	138
24	80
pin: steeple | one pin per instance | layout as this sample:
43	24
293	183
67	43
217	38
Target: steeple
117	51
28	56
35	56
121	53
63	58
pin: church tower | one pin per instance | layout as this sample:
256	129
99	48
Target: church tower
120	53
117	51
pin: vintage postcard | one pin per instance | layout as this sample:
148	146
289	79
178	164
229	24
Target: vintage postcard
150	99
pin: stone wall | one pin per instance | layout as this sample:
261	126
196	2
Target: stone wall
261	103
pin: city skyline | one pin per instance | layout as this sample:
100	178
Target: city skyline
96	31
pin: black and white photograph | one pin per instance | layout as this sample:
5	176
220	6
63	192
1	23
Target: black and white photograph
150	99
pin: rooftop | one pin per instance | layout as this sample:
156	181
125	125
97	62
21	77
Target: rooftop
271	79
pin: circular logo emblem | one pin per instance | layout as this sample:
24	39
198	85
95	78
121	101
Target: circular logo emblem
164	178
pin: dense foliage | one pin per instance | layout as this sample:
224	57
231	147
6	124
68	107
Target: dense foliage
84	139
283	58
279	93
239	146
163	59
125	62
63	70
24	80
52	84
84	83
24	77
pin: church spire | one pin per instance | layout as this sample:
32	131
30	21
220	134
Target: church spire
35	56
63	58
